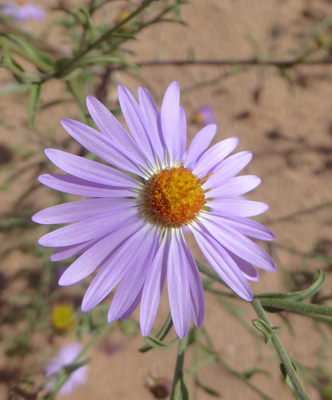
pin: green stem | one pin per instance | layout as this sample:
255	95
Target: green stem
178	374
296	306
293	376
68	66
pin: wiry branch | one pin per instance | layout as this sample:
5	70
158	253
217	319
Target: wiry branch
244	62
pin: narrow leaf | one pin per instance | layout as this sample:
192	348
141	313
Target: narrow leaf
288	380
158	344
35	93
264	328
301	294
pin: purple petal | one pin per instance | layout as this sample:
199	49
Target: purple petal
247	269
178	285
228	169
62	253
183	132
235	186
152	120
80	187
222	262
95	256
90	228
240	245
214	156
114	269
100	145
132	282
245	226
79	210
199	144
153	288
237	207
133	306
90	170
196	287
170	122
111	127
135	121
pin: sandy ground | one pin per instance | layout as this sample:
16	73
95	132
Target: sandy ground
288	127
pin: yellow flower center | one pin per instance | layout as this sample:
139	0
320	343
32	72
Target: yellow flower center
174	196
63	317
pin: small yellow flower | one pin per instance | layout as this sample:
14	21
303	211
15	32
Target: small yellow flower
63	317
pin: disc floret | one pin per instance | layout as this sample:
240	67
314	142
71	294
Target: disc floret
174	196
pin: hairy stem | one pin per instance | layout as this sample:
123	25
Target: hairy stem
178	374
293	376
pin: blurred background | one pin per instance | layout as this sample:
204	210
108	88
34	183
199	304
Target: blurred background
262	69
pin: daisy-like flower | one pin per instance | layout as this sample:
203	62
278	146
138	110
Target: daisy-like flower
65	357
132	228
22	10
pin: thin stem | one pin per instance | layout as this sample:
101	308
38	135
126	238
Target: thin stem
293	376
243	62
178	374
99	41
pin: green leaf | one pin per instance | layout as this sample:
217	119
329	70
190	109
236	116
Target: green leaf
207	389
93	32
159	344
253	371
7	60
14	88
277	305
301	294
76	88
181	391
311	290
161	334
35	93
288	380
264	328
32	53
94	60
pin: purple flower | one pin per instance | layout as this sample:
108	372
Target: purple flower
22	10
132	228
204	116
66	356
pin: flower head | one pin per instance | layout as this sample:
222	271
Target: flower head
21	10
204	116
62	317
132	227
65	357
